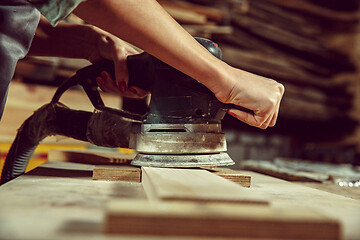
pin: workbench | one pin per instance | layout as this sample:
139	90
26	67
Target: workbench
59	200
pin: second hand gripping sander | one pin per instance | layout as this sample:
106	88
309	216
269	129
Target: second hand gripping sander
181	129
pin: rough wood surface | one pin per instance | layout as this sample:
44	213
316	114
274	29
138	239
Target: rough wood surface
117	173
217	220
232	175
60	201
91	156
209	12
195	185
272	169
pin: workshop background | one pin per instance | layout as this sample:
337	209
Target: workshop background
312	47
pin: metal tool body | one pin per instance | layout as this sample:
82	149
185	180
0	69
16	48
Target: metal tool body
183	125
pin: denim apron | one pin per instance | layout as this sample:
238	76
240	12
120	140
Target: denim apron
18	22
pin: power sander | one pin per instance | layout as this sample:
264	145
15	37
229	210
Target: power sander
181	129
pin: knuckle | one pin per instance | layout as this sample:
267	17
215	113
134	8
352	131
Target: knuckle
281	88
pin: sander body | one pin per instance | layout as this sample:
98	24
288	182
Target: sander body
183	125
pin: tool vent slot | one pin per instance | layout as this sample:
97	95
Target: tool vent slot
167	130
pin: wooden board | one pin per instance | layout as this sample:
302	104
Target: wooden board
217	220
110	172
68	204
117	173
91	156
133	174
209	12
282	172
194	185
232	175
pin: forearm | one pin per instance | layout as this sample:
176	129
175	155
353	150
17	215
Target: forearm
144	23
66	40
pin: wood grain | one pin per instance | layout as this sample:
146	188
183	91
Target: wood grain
117	173
217	220
74	207
198	185
232	175
96	157
209	12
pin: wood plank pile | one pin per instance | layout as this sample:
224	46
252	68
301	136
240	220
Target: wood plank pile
195	202
306	45
309	46
199	203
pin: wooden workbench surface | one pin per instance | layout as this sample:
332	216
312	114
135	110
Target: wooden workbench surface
60	201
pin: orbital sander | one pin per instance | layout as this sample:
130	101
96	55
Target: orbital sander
182	127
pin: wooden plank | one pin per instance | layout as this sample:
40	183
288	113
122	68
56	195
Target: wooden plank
232	175
117	173
272	169
186	16
96	157
217	220
211	13
194	185
282	193
72	206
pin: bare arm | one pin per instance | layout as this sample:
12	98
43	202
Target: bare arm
85	42
146	24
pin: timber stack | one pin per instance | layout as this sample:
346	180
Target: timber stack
309	46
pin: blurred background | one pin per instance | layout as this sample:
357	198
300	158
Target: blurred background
312	47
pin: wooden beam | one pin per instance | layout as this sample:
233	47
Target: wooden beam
186	16
117	173
95	157
209	12
283	172
141	217
232	175
194	185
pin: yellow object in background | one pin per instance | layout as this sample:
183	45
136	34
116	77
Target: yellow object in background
40	155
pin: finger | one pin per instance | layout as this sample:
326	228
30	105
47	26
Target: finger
100	83
140	93
134	92
275	116
248	118
107	83
267	122
121	74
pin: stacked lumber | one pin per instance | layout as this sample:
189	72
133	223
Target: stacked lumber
309	46
198	20
196	203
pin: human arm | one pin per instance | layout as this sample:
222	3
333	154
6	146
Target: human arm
85	42
146	24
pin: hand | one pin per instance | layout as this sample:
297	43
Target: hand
259	94
112	48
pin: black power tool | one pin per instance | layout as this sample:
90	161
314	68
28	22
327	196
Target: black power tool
181	129
183	125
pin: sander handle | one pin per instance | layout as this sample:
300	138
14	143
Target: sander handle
139	66
233	106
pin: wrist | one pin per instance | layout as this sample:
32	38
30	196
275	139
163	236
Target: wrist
220	81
